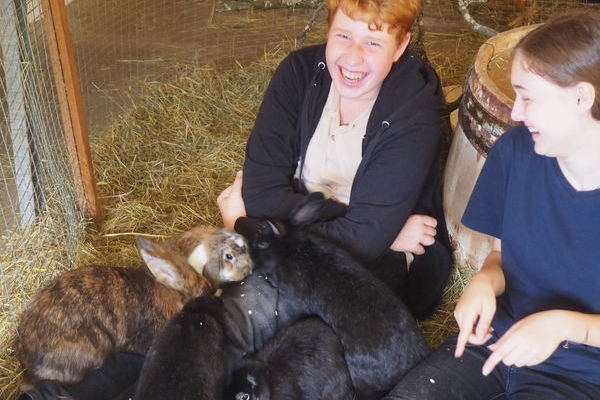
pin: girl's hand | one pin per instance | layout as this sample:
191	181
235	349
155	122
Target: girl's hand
418	231
528	342
474	312
231	203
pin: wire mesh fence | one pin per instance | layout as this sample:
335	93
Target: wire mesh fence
119	43
118	46
40	223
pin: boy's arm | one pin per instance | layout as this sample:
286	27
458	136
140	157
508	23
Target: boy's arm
386	191
272	150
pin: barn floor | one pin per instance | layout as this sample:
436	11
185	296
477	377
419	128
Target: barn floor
120	46
142	45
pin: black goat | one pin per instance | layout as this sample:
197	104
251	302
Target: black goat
185	359
303	361
315	276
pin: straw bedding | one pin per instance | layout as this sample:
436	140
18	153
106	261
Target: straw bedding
161	165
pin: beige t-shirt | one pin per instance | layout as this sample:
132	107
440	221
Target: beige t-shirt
334	151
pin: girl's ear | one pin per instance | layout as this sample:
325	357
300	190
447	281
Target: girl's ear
586	95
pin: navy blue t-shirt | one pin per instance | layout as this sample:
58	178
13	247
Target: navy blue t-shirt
550	237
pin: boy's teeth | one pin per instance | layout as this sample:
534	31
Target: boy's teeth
353	76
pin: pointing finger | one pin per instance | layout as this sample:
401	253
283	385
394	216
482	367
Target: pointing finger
466	329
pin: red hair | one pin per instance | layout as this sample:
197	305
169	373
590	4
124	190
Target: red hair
399	15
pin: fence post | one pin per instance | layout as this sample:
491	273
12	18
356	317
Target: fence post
15	98
68	88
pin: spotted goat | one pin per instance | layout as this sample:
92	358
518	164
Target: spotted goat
85	315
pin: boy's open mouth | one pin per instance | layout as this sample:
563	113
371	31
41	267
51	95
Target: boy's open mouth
350	76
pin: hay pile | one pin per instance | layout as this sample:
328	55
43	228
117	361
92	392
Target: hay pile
452	54
161	165
28	260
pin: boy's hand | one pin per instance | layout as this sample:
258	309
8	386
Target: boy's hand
231	203
418	231
474	312
528	342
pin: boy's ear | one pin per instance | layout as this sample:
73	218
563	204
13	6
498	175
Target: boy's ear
402	46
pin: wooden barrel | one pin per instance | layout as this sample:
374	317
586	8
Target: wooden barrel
484	114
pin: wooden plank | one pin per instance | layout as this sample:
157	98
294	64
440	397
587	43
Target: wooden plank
68	88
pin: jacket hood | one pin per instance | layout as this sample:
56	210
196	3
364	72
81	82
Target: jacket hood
411	86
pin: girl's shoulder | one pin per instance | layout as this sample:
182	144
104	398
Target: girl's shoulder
518	138
516	143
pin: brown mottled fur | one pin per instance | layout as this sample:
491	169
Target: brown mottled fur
219	243
85	315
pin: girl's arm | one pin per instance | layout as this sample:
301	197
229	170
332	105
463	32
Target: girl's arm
534	338
582	328
477	305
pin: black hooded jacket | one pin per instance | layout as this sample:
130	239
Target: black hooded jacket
399	172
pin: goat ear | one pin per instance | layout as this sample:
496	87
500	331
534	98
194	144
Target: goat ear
145	244
162	269
254	229
316	208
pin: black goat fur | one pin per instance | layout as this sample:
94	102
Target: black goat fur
380	338
185	360
303	361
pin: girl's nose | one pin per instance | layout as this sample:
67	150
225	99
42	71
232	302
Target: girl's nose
516	113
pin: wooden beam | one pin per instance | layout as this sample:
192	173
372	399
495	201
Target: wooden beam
66	78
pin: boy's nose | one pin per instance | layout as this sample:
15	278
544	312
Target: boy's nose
355	55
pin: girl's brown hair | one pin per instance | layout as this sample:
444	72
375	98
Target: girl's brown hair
399	15
566	50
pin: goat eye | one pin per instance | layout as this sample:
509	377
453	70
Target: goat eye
242	396
229	256
263	245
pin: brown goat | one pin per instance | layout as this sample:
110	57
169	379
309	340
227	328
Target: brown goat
85	315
